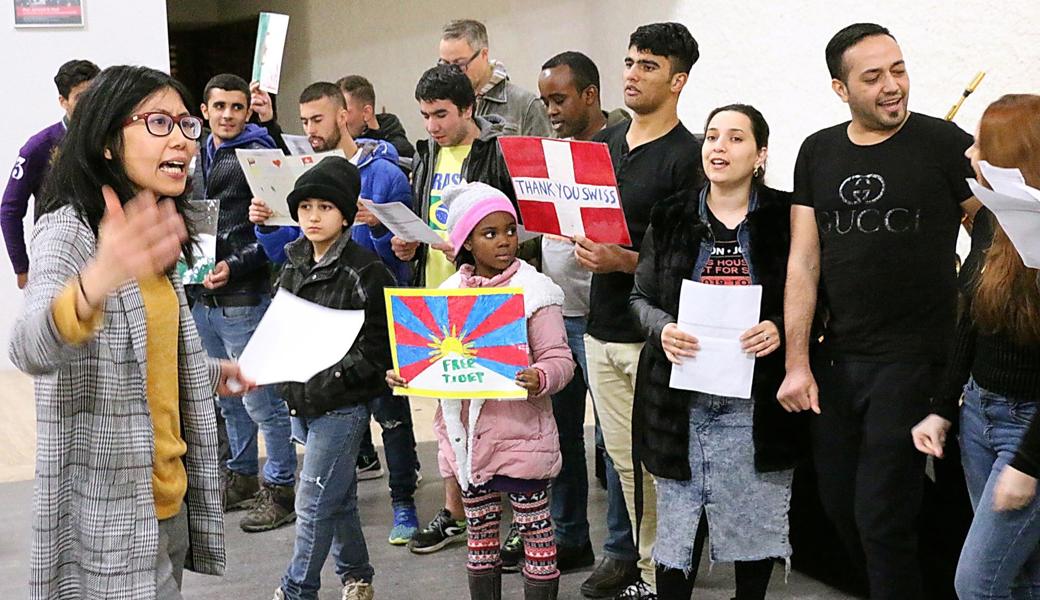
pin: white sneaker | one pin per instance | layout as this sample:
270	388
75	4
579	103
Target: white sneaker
358	590
279	594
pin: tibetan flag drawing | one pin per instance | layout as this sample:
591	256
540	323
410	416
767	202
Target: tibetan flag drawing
566	188
458	343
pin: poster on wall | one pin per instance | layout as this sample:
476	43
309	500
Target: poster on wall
458	343
48	13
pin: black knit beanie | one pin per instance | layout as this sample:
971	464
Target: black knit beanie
335	180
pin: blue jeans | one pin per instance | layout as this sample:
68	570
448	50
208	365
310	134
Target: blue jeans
326	503
1000	558
394	415
570	490
224	333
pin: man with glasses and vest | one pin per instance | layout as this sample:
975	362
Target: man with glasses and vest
464	43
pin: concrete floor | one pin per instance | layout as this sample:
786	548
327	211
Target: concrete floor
256	561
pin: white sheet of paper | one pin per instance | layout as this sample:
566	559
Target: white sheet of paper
1018	213
289	320
270	46
717	315
271	176
404	223
298	144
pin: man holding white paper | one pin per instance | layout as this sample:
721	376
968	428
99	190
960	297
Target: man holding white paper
231	302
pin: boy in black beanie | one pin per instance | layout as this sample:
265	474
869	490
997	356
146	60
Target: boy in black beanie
331	409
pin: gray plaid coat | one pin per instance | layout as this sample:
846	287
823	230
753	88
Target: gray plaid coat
95	533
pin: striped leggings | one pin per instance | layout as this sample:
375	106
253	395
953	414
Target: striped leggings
531	516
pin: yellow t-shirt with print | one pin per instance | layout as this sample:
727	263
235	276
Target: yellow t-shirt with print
448	171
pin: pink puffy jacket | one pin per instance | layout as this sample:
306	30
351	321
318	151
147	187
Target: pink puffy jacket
514	438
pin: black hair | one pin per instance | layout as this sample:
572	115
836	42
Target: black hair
583	70
759	126
72	74
845	39
229	82
464	257
81	167
445	82
359	88
323	89
672	40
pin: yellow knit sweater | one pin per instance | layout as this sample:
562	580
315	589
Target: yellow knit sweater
162	313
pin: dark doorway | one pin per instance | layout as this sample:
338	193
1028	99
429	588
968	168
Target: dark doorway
198	53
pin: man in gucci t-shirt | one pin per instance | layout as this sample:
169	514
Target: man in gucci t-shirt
878	202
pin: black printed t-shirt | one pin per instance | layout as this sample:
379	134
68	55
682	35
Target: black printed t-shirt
646	174
888	217
726	265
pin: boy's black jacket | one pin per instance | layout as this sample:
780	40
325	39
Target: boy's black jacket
348	277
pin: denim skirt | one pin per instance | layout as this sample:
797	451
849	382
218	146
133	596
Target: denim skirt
746	510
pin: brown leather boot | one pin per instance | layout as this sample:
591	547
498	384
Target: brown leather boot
485	585
541	589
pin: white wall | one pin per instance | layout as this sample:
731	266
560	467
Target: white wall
769	54
116	32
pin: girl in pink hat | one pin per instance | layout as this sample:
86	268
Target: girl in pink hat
493	447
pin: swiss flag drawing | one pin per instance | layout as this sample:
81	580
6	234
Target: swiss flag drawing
566	188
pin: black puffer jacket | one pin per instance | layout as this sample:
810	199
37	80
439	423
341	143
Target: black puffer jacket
218	175
668	255
392	131
348	277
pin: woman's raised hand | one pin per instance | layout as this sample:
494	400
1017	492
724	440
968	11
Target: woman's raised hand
140	239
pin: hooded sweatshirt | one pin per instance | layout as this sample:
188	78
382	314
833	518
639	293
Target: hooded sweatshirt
381	182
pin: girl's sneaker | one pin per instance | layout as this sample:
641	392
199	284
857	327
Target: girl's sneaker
406	523
442	531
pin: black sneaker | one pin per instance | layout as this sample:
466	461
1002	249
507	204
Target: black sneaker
639	590
442	531
572	558
274	507
512	551
610	577
239	491
369	467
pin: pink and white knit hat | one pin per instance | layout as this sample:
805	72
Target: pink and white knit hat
468	203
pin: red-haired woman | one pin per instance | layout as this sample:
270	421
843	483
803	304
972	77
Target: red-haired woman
997	363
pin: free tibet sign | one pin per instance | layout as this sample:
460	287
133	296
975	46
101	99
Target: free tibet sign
566	188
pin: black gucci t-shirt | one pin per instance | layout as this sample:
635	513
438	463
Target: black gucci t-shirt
888	218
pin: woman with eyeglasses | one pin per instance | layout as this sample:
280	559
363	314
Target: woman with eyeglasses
127	489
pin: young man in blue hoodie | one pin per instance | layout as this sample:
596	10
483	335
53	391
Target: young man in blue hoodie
323	113
229	305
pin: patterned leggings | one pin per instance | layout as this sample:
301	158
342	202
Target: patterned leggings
531	516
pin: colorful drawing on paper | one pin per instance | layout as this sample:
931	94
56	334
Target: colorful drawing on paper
566	188
465	343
